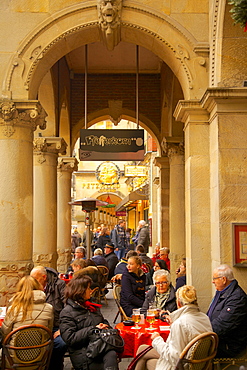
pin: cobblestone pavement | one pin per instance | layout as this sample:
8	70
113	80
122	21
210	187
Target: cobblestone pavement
109	312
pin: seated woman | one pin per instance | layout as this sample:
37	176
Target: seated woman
133	286
162	294
158	265
186	323
181	274
77	320
28	306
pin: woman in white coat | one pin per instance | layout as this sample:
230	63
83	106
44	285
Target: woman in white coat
186	323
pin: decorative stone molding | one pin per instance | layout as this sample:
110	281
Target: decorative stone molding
64	259
19	113
161	162
172	146
68	164
109	13
47	259
10	274
53	145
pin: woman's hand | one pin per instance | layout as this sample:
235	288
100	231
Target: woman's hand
102	326
166	316
155	335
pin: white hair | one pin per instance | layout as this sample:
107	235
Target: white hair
142	222
98	251
160	273
225	270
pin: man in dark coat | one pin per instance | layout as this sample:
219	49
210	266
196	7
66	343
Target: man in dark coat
54	290
118	238
143	235
111	259
143	256
228	313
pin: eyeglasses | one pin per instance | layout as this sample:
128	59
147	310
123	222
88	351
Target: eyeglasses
217	277
161	283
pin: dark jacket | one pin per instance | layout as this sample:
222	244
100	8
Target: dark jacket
180	281
118	237
170	304
143	238
132	291
102	241
94	273
99	260
229	321
146	259
149	279
112	261
121	266
54	291
75	324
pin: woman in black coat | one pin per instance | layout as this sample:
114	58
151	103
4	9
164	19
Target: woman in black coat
77	320
133	286
103	239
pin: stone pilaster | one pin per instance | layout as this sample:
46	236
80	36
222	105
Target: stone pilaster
46	151
174	148
66	165
163	199
18	120
197	197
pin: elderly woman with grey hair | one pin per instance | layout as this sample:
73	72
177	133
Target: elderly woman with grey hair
162	294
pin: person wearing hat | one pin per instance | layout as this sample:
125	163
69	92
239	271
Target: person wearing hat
111	259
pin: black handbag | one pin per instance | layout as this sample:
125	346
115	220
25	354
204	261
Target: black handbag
103	341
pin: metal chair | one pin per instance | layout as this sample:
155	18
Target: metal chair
116	296
199	352
105	272
29	347
236	362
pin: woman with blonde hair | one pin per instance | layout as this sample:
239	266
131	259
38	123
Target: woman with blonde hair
28	306
186	323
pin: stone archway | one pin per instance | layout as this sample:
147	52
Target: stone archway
155	31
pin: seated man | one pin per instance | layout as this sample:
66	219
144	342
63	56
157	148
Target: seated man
228	313
98	257
111	259
80	252
54	290
164	252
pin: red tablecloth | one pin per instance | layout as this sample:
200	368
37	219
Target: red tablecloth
133	338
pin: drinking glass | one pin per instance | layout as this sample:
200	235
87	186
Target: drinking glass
150	319
136	317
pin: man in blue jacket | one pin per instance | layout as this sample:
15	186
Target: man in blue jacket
228	313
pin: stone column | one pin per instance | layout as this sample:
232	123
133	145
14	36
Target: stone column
164	175
18	120
66	165
197	197
46	151
174	148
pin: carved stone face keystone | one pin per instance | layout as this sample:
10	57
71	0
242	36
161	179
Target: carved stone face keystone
109	10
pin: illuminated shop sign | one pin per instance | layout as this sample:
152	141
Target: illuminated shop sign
117	145
135	171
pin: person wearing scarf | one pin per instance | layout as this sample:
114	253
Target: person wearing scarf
162	295
77	320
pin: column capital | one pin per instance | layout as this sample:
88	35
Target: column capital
53	145
21	113
67	164
161	162
172	146
191	111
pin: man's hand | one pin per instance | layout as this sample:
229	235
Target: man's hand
155	335
56	334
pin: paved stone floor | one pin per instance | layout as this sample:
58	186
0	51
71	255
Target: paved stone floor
109	312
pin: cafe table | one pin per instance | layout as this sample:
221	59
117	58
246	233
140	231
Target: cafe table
133	338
